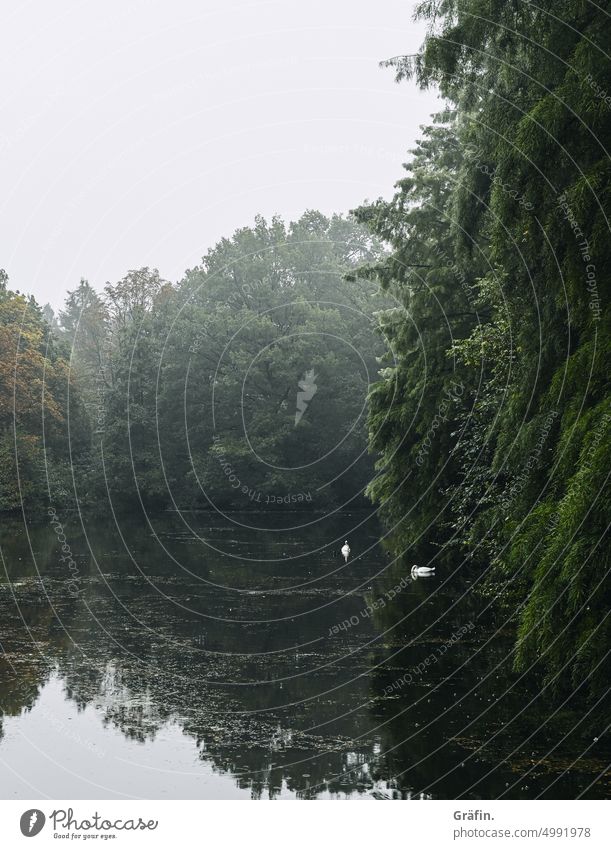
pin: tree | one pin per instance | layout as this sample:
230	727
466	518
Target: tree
37	400
414	409
529	211
208	375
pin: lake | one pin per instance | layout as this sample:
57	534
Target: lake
238	656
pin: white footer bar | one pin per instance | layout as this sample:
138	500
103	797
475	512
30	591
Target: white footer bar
299	824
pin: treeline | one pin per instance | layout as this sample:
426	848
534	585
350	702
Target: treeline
243	386
492	424
36	386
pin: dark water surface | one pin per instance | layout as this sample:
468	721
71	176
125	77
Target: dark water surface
213	660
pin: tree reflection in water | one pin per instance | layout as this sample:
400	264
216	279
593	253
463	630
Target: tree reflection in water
243	652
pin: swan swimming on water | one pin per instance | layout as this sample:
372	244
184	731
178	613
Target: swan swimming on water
346	551
422	570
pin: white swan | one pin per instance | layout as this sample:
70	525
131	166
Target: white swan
346	551
422	570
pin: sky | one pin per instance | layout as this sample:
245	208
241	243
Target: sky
140	132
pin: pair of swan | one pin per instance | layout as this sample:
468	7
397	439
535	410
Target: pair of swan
416	570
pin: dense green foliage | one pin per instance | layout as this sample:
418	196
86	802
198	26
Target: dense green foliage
501	255
242	386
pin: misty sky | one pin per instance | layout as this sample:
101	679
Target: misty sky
138	133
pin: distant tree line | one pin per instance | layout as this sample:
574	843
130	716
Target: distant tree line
243	386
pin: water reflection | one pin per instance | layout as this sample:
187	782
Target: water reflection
211	662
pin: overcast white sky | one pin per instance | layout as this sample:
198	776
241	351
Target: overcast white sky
139	132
